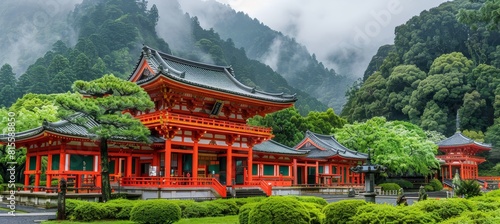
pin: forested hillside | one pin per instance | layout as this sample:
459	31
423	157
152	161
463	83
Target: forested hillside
110	37
287	57
444	61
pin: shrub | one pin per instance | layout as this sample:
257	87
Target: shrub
494	193
155	211
401	182
183	204
312	199
71	204
469	188
230	206
314	209
389	186
385	213
436	184
122	207
471	217
445	208
89	211
195	210
245	211
428	188
340	212
214	209
279	210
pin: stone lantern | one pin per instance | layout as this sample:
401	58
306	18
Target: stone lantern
369	170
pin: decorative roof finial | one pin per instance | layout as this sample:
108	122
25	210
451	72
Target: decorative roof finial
458	123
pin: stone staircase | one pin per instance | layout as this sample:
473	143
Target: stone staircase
248	192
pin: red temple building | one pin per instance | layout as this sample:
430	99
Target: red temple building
201	144
459	156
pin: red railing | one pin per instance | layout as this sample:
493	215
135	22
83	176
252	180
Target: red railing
154	118
459	156
173	182
264	185
490	178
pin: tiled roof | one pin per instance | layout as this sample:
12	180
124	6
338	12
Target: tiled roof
272	146
459	139
218	78
332	147
65	127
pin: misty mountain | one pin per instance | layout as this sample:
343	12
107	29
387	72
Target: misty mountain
110	35
292	60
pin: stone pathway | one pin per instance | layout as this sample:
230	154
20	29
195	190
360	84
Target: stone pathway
26	214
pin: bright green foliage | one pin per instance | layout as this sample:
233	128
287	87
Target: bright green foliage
468	188
245	211
155	211
389	186
122	207
445	208
400	146
277	210
195	210
428	188
436	184
477	136
71	204
317	217
472	217
215	209
385	213
312	199
89	212
340	212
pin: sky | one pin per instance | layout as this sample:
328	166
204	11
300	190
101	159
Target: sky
336	28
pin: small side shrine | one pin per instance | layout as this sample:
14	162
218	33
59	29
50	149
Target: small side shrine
460	156
327	162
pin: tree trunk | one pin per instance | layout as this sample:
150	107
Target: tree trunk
105	184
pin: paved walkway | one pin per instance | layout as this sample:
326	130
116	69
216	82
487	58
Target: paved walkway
26	214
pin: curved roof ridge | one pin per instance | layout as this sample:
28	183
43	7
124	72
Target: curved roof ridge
459	139
191	62
331	147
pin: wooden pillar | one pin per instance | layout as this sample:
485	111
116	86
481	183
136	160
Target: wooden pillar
49	168
317	173
38	170
462	175
229	165
295	172
155	161
128	169
250	164
195	160
168	154
62	158
27	176
180	169
450	171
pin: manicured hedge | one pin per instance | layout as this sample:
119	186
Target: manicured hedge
314	209
340	212
311	199
71	204
385	213
120	207
446	208
401	182
157	211
436	184
89	212
276	209
245	211
389	186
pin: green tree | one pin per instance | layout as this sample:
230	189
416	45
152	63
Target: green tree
324	122
109	97
400	146
487	14
288	125
7	91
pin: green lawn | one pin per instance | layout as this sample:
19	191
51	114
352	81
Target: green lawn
233	219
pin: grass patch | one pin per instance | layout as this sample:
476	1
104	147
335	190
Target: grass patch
99	221
8	209
231	219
